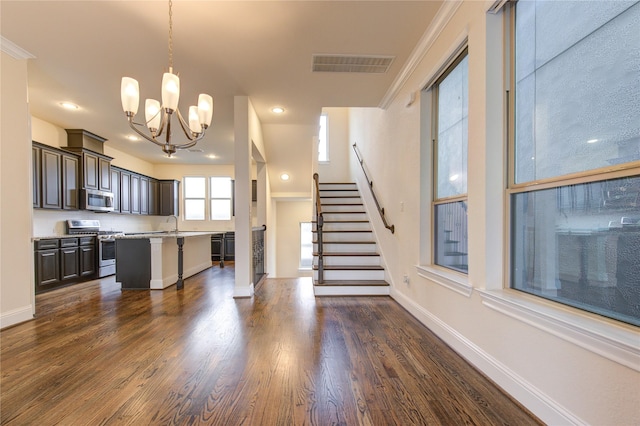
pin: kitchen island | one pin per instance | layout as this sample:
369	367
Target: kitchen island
151	260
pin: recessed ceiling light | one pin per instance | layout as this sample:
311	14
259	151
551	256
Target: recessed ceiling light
285	176
69	105
277	110
133	138
212	156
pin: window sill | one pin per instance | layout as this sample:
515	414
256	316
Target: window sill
617	342
451	280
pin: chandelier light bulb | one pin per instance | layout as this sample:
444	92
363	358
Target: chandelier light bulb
205	109
194	122
170	91
130	95
152	114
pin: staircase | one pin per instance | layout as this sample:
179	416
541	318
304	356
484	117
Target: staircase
352	265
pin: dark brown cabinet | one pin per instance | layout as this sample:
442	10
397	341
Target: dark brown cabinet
36	174
229	246
70	182
115	188
64	261
47	261
135	193
144	195
69	259
169	202
125	191
154	196
96	168
51	188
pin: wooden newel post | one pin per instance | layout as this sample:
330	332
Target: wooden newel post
180	282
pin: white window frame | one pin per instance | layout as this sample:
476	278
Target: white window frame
185	198
324	117
212	198
302	267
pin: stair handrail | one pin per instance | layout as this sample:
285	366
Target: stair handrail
319	225
391	228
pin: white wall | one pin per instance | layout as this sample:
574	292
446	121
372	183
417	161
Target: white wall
290	214
337	169
539	354
16	251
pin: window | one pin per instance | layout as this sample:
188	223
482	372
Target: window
306	245
574	180
194	198
220	193
450	138
323	143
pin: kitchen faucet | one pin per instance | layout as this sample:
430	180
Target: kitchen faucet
176	218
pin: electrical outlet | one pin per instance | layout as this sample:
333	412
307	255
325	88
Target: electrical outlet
405	279
401	206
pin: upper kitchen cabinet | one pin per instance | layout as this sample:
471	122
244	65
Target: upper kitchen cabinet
55	178
96	167
169	201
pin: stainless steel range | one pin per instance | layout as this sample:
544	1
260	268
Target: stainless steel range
106	243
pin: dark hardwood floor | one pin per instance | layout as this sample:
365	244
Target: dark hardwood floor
96	356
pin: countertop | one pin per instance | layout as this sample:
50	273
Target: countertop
165	234
135	235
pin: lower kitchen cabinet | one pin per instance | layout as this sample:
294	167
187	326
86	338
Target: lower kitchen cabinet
64	261
229	246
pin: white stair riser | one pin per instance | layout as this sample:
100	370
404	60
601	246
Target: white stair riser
330	186
349	260
328	237
345	290
344	216
329	193
341	248
329	201
333	209
362	275
345	226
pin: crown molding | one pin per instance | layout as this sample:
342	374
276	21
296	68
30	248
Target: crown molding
444	14
13	50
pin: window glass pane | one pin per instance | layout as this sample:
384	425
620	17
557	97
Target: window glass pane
577	87
451	236
306	245
220	209
323	151
453	107
220	187
580	245
194	209
194	187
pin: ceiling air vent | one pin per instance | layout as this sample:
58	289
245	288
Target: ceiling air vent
349	63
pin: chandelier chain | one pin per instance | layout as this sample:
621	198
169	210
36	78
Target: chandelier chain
170	36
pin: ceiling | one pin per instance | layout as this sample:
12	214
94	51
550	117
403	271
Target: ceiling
259	49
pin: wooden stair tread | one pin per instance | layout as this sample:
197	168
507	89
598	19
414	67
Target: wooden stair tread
338	283
350	268
345	242
345	212
342	221
342	204
345	231
348	253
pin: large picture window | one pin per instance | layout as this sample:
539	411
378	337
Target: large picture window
450	139
575	154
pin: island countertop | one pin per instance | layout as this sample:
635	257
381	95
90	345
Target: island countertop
165	234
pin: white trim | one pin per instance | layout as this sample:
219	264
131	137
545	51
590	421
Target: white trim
541	404
452	281
618	343
16	316
240	292
439	22
13	50
351	290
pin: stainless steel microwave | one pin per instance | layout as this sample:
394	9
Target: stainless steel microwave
92	199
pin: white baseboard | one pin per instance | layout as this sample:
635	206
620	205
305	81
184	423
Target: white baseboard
16	316
350	290
161	284
540	404
240	292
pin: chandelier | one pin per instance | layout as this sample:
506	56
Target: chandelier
158	116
